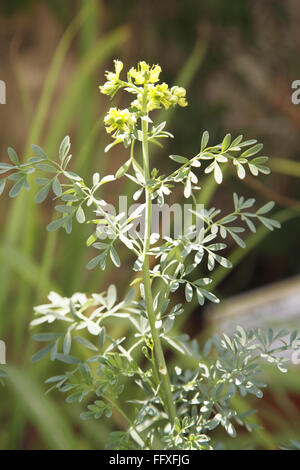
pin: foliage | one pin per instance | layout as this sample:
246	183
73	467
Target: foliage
176	410
3	375
292	445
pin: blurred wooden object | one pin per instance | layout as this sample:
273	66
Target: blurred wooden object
276	305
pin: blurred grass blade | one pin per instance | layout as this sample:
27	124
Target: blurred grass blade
62	118
51	79
28	270
41	410
284	166
187	74
68	105
71	101
16	213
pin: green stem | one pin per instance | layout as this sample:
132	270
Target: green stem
122	413
161	367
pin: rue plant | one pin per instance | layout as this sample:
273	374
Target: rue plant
170	408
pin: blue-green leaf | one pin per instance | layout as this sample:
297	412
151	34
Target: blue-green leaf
13	156
42	194
39	151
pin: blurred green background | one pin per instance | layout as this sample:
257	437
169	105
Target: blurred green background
237	60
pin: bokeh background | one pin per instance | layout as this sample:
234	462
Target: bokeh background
237	60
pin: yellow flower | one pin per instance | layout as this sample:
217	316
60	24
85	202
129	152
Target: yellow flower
112	85
162	95
159	95
178	96
119	120
118	66
145	74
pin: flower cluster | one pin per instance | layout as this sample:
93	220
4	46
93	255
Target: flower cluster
149	95
119	121
144	73
113	80
162	95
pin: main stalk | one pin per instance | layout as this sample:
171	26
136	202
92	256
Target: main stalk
160	363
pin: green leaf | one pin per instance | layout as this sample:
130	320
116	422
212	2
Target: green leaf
266	208
16	188
13	156
78	190
39	151
92	238
109	146
47	168
236	141
218	173
84	342
42	181
68	224
65	209
223	261
269	223
86	414
64	148
293	335
188	292
67	359
246	143
237	239
42	194
242	333
102	338
204	140
111	296
200	297
114	257
226	142
74	397
4	167
207	347
230	430
240	171
252	151
187	189
44	337
56	224
2	185
67	343
93	262
204	281
210	296
80	215
42	353
259	160
178	159
56	186
123	169
72	175
15	176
